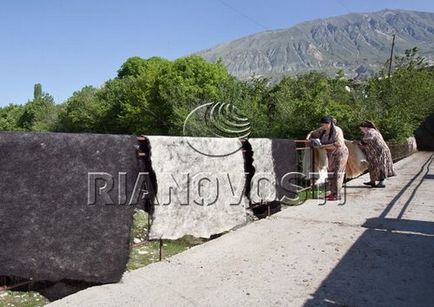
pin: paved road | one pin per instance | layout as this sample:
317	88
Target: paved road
376	250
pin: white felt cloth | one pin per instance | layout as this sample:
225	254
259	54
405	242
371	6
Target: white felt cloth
356	164
198	194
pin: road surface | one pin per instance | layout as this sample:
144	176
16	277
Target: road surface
376	250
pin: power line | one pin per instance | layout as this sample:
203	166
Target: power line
234	9
341	4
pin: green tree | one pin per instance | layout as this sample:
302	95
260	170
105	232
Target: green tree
301	102
37	91
154	96
83	112
127	98
399	104
39	114
10	116
136	66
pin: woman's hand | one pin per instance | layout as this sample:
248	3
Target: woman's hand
327	146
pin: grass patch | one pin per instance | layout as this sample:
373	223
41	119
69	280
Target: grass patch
149	251
318	192
22	299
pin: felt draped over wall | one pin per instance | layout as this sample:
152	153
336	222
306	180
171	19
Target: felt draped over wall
200	186
67	200
273	162
48	231
356	164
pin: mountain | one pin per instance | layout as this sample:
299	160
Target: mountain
358	43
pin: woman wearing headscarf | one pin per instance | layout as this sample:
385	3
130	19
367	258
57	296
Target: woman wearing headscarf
377	154
332	140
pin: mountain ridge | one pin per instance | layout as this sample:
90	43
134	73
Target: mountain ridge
358	43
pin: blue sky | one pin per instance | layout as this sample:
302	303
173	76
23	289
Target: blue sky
67	44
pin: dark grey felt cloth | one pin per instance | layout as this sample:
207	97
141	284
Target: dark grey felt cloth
47	229
284	158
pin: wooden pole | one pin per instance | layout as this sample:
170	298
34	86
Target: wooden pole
161	249
312	168
391	57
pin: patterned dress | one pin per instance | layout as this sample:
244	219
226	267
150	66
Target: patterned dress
378	155
337	157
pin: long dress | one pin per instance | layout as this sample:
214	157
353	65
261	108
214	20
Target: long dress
378	155
337	157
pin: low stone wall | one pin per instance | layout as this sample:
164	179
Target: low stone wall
402	150
67	200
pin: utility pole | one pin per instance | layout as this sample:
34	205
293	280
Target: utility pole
391	56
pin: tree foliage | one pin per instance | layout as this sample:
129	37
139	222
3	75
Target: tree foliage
155	95
10	116
39	114
82	112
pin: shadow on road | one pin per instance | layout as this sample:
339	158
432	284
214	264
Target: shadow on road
382	269
391	264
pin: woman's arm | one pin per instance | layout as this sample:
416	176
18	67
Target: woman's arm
314	134
340	140
328	146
